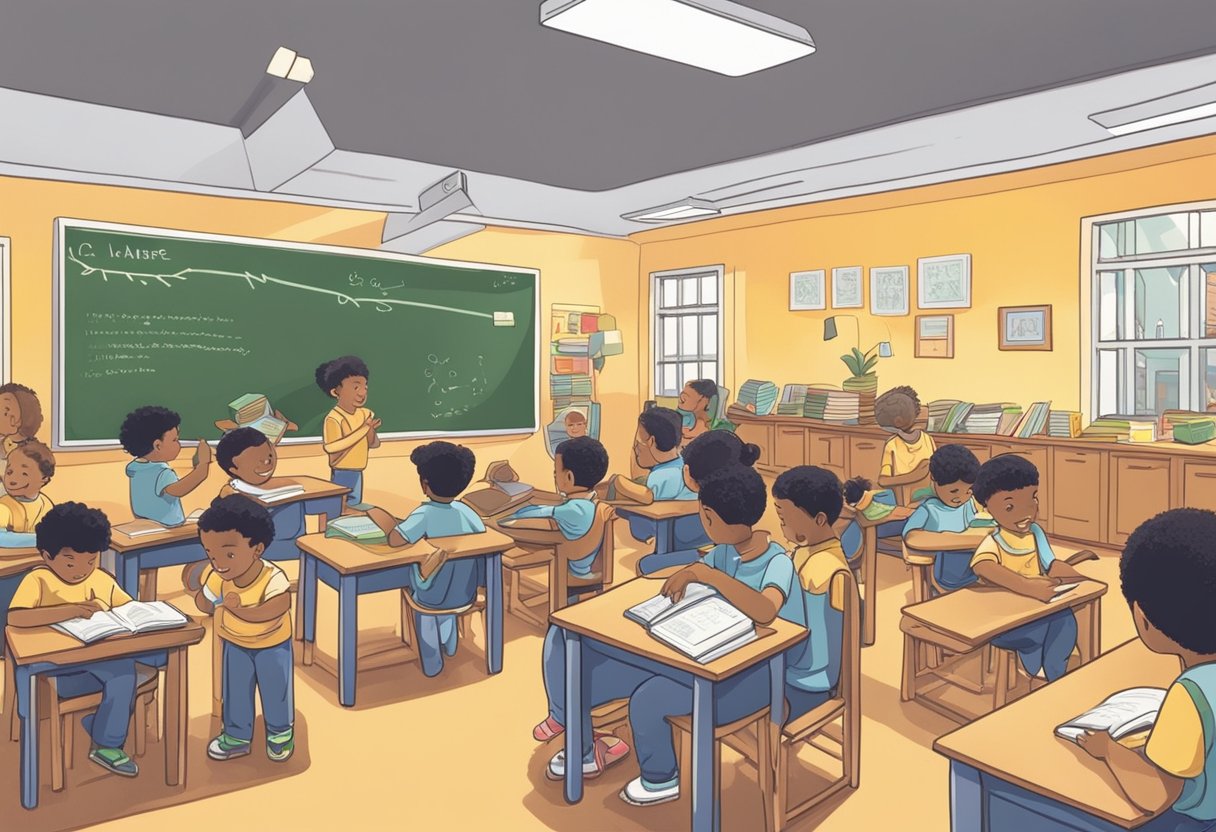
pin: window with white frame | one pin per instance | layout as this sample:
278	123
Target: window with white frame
1154	312
687	327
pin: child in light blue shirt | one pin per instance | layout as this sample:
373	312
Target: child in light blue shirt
947	515
151	435
445	470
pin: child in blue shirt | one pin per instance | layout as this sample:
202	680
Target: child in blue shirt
444	470
945	518
151	435
1168	569
578	466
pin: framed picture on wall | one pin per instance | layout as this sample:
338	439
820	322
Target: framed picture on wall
935	336
807	291
889	290
944	282
846	288
1024	328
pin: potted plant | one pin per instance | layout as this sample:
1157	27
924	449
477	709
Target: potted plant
863	381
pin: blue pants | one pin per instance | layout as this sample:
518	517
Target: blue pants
116	681
270	670
452	585
652	699
348	479
952	570
1043	645
1172	821
654	562
800	702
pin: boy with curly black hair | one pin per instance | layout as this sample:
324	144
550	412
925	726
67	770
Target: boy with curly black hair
349	431
151	434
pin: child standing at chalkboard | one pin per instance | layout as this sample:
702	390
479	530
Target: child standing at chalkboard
350	428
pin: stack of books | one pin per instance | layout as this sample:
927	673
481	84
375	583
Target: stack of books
572	345
996	419
1034	421
569	388
793	400
1064	424
567	364
253	410
1187	426
759	397
1122	429
831	405
939	412
357	528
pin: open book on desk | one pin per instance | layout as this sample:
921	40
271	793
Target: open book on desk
1121	714
272	491
132	617
703	626
140	527
505	491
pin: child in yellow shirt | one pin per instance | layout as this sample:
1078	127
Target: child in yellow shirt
29	468
71	537
349	431
255	626
905	457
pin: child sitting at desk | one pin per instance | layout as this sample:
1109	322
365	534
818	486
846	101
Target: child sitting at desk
71	538
255	628
20	416
1018	557
349	431
1168	569
945	518
29	468
246	454
444	471
151	435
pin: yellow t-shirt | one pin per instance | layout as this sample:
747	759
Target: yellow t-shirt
1176	743
269	583
339	426
21	516
815	568
1024	561
901	457
43	588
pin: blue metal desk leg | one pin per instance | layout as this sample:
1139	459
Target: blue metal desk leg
704	807
29	745
664	530
127	566
494	612
348	638
308	601
574	717
966	799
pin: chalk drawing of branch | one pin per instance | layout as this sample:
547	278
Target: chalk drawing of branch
379	304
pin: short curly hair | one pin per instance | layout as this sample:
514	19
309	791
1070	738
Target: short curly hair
27	402
331	374
1007	472
584	457
238	513
897	400
72	525
736	494
953	463
39	453
447	468
143	426
814	490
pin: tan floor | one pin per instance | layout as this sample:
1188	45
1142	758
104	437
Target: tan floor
456	753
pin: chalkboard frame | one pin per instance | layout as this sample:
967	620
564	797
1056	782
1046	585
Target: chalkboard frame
59	442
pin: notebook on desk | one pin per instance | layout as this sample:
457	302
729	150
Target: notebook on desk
272	492
703	626
132	617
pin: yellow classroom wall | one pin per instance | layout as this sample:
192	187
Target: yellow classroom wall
573	269
1022	230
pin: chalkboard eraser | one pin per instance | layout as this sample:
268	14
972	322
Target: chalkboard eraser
504	319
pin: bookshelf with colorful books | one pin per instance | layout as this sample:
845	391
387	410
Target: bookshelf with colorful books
581	338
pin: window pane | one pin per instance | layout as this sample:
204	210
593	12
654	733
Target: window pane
1167	232
670	387
1209	381
709	286
670	287
688	294
709	335
689	348
1160	377
670	342
1108	240
1161	303
1207	229
1207	273
1108	382
1110	305
690	372
709	369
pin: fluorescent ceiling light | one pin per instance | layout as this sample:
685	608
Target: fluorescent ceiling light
1177	108
685	209
1176	117
288	64
717	35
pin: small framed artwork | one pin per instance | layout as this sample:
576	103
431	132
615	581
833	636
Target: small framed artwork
846	288
944	282
807	291
889	290
935	336
1024	328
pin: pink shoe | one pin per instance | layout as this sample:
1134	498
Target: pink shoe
547	730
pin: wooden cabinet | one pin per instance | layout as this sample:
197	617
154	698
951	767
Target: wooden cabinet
865	457
1041	458
1199	485
1078	501
1139	489
982	450
790	447
761	436
827	450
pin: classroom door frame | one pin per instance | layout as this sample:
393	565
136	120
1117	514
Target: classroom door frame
6	316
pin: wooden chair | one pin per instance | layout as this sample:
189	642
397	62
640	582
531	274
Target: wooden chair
525	594
409	632
836	721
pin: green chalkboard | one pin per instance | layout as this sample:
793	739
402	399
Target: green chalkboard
192	321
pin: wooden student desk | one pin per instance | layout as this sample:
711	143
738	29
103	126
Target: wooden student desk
665	513
601	623
1008	770
968	618
354	569
35	651
179	545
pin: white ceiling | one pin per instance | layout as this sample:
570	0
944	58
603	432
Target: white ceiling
560	132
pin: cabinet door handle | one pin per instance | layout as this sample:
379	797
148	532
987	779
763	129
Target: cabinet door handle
1077	461
1143	468
1205	476
866	447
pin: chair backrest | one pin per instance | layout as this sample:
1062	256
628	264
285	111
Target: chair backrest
849	685
599	537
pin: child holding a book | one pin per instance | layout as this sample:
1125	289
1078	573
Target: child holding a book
255	626
946	518
248	456
29	468
70	538
444	472
1018	557
1168	571
151	435
349	431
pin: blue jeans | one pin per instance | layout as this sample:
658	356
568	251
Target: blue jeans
348	479
452	585
652	699
654	562
1172	821
952	570
799	702
116	681
270	670
1043	645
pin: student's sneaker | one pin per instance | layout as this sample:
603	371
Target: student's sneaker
114	760
638	792
603	756
547	730
225	747
279	747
